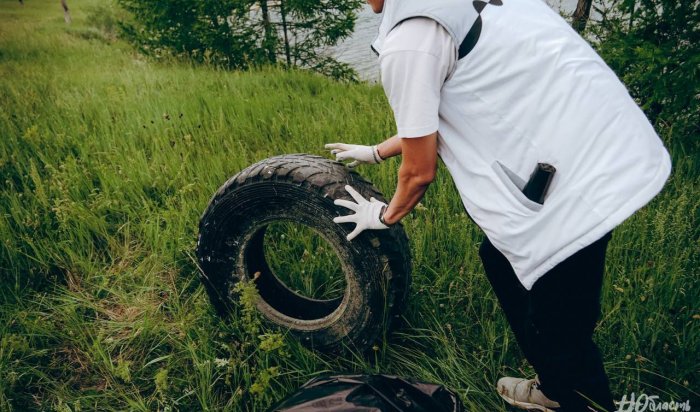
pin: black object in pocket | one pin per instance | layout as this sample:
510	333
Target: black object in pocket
536	188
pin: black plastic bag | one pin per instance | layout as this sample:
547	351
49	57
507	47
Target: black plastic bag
369	393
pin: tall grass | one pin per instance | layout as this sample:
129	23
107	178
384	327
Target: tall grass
107	160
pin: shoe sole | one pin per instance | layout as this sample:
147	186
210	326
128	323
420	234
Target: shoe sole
526	405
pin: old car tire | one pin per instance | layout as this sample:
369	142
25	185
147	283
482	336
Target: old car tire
301	188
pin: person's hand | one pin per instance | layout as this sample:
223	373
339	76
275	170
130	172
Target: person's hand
357	153
366	215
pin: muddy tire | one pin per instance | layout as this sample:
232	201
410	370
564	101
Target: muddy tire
301	188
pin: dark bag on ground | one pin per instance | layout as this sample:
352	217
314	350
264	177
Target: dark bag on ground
369	393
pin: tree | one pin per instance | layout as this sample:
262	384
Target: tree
581	15
654	46
66	12
243	33
306	26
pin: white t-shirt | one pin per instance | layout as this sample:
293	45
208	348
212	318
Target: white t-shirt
417	58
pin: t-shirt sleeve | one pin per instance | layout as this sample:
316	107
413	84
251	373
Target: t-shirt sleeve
417	58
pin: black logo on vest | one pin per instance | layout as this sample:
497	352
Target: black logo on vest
473	36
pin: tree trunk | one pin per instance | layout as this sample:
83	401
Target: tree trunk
581	15
66	12
283	12
269	41
631	23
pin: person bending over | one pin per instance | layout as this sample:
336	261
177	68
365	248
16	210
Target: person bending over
496	88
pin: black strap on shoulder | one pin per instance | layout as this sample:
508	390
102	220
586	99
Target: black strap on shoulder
470	39
474	33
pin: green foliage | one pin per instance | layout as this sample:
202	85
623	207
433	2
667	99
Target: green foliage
244	33
304	261
654	46
107	161
217	32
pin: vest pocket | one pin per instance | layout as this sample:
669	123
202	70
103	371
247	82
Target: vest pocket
515	185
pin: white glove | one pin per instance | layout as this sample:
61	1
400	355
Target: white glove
356	152
366	213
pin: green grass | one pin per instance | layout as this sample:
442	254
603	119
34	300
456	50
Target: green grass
107	160
303	260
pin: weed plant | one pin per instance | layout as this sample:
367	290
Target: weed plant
107	161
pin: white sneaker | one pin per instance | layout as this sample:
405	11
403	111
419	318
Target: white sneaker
524	394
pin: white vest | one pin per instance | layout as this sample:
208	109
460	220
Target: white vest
528	89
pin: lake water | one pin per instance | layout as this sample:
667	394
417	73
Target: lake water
355	50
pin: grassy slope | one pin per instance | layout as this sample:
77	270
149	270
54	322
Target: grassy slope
108	159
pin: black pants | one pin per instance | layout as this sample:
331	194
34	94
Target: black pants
554	322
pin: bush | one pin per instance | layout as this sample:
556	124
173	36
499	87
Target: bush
239	34
654	46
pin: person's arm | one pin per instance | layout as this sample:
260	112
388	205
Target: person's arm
417	58
390	147
365	154
414	66
417	171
